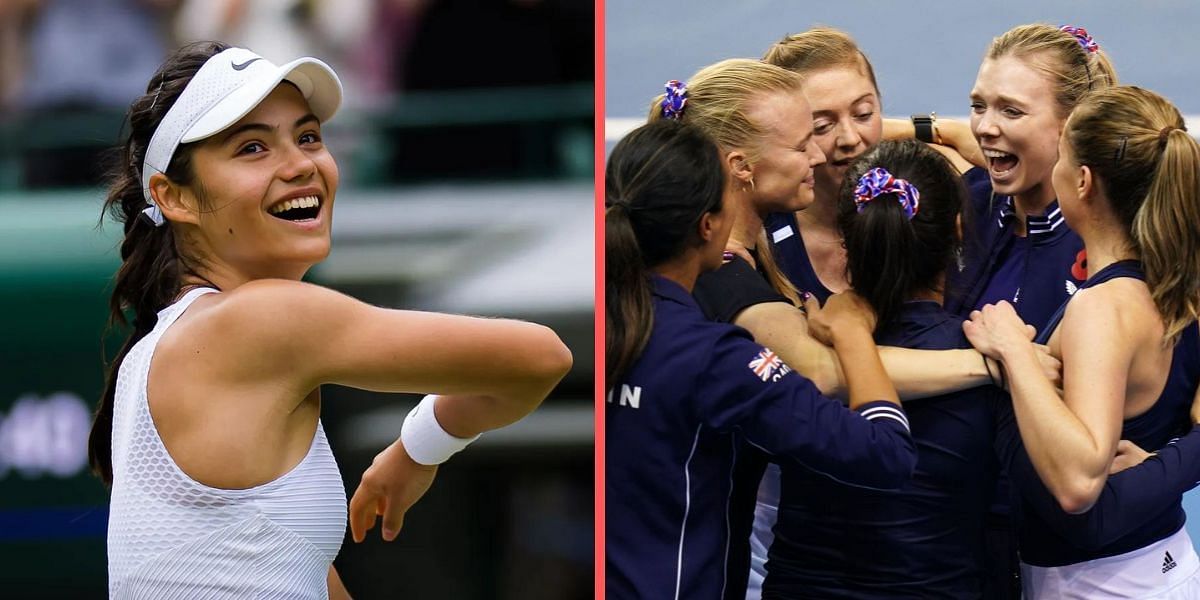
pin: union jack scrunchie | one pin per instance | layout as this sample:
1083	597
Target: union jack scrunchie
879	181
675	100
1081	36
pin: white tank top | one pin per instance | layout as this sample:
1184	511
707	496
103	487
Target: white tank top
170	536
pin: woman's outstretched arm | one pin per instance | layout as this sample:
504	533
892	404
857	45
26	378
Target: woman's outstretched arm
487	373
303	335
915	373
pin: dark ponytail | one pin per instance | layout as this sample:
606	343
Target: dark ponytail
151	268
661	180
890	258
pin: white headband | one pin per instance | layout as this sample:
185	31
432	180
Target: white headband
224	90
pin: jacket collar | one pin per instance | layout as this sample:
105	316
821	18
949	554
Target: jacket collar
1039	227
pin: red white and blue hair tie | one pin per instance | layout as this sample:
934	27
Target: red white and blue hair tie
877	182
675	100
1081	36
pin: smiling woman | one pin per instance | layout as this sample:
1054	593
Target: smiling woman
269	198
209	431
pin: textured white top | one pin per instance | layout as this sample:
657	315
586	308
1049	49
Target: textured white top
170	536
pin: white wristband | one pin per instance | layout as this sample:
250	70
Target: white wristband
425	440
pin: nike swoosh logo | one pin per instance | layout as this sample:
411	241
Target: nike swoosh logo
237	67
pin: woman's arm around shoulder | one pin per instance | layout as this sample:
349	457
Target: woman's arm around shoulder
957	141
916	373
749	388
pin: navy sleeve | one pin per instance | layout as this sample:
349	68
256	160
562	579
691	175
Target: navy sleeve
978	182
749	389
1147	489
729	290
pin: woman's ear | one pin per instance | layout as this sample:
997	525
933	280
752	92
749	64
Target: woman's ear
177	203
707	227
1086	189
740	169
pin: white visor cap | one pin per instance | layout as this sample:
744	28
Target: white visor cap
227	88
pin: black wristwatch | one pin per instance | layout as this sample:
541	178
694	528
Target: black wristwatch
926	128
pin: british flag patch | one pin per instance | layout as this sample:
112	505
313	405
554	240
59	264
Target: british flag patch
768	366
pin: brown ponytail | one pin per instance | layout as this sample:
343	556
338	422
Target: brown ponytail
661	179
1135	143
628	313
151	266
1167	231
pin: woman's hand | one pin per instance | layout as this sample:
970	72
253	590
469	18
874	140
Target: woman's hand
958	135
389	487
847	323
1128	455
843	311
1051	366
736	248
997	329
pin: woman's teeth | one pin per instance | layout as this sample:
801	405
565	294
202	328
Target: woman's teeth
305	202
1000	162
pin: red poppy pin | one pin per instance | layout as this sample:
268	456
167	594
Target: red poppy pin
1079	269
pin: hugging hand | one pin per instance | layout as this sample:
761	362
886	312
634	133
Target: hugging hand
1128	455
997	329
736	248
1051	366
841	311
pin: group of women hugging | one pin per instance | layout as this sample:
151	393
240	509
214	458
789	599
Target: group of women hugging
854	357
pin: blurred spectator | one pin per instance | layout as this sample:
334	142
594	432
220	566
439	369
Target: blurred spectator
280	30
14	15
92	52
83	57
383	52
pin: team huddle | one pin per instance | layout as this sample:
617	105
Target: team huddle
857	357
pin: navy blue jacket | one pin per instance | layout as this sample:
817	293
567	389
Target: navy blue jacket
1037	273
792	257
674	425
924	540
